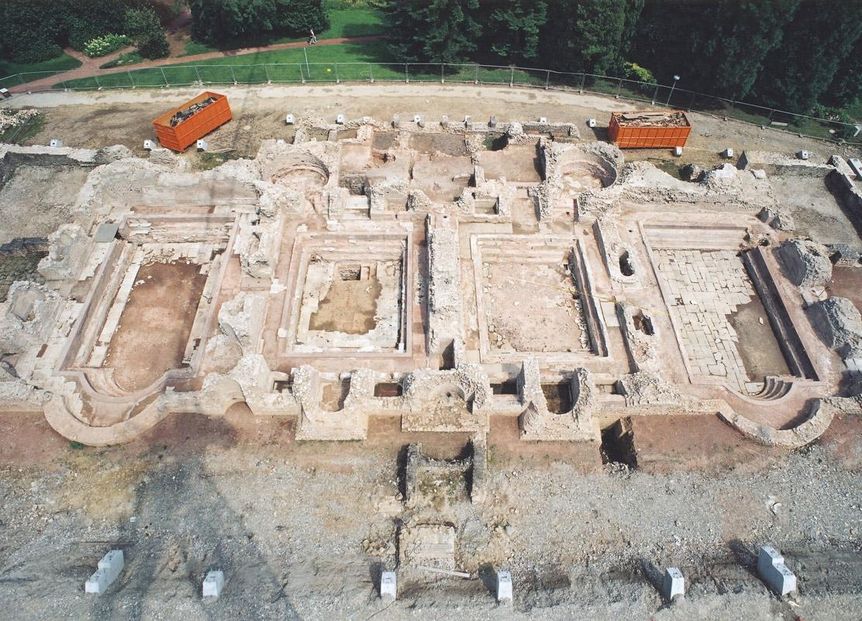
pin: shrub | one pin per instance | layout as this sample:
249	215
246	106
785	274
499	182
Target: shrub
105	44
147	33
634	71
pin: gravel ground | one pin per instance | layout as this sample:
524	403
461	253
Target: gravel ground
301	530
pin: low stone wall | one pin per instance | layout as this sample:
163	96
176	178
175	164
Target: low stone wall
819	418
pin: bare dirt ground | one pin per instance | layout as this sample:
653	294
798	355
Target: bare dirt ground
757	344
847	283
815	211
94	119
37	199
545	294
349	306
290	524
155	324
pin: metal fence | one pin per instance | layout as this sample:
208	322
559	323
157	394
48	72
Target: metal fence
302	73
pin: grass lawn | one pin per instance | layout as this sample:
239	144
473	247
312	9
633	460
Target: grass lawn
347	62
54	65
129	58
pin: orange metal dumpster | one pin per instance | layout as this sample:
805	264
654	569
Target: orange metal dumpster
649	130
181	127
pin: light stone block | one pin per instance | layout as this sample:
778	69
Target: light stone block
773	571
108	571
388	585
504	586
673	585
213	584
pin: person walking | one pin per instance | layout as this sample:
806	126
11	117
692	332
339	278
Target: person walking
313	38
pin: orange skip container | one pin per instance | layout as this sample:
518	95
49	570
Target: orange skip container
189	131
645	136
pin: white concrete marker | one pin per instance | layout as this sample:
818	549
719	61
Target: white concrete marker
492	122
55	142
396	120
109	570
468	121
677	151
202	145
728	153
213	584
591	123
504	586
290	120
803	155
417	118
149	145
388	585
773	571
673	585
543	120
340	119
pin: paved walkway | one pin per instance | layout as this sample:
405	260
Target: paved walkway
91	66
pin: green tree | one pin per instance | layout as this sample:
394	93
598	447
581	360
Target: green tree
799	71
588	35
432	30
88	19
846	87
297	17
218	21
717	46
29	32
143	27
512	29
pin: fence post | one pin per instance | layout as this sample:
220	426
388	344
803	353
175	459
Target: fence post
771	112
442	78
266	72
406	75
301	74
98	85
164	77
548	80
583	79
691	102
619	87
371	72
512	77
337	79
21	78
476	81
198	74
233	75
655	94
131	80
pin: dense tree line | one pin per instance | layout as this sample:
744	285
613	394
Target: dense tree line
790	54
36	30
221	21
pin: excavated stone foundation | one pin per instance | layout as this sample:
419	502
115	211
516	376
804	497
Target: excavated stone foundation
444	275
